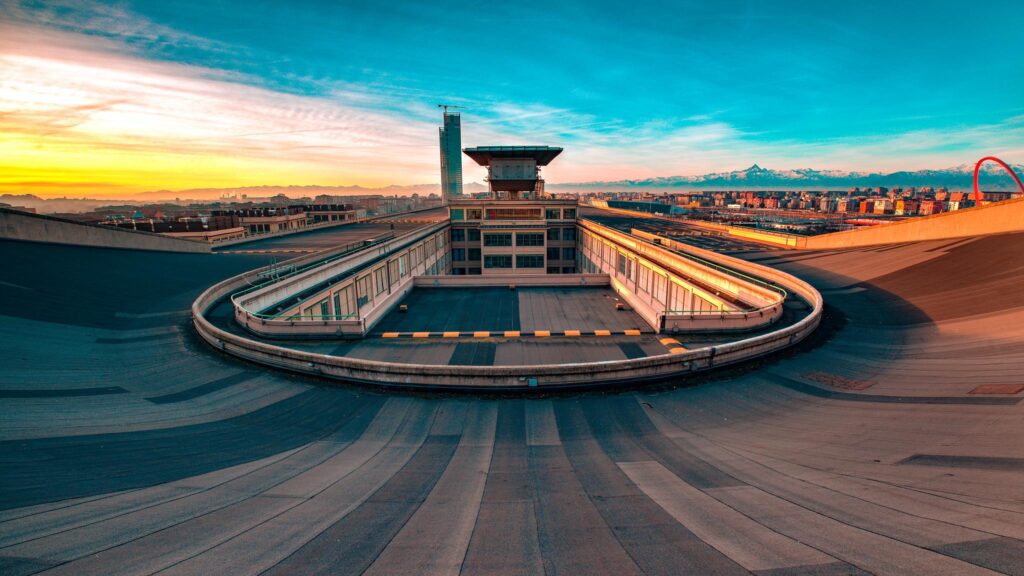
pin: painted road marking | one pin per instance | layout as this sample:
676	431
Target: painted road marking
668	341
678	350
517	334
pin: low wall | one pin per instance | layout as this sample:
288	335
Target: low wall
17	225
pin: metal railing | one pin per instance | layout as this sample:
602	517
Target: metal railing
719	312
302	301
719	267
278	313
738	307
347	250
304	317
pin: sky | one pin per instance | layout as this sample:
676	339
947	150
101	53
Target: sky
115	98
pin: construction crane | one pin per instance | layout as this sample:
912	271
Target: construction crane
447	106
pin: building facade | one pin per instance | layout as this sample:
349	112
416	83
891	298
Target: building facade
266	220
317	213
451	157
518	229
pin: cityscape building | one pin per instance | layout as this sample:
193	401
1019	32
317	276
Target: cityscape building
518	228
450	136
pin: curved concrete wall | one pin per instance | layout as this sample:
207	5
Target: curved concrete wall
38	228
996	218
507	377
1007	216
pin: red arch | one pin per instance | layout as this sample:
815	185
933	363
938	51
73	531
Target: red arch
977	168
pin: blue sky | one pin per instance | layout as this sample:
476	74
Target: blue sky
629	89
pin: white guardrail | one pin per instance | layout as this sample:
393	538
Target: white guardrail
545	376
761	303
247	305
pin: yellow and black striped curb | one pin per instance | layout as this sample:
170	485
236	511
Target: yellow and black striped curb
673	345
512	334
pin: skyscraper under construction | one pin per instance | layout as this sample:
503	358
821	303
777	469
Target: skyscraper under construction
451	155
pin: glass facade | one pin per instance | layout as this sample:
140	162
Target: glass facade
451	156
497	239
536	235
532	239
529	261
498	261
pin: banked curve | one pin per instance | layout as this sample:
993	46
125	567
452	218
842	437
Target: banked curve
517	377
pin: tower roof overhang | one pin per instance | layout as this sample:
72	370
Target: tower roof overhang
482	155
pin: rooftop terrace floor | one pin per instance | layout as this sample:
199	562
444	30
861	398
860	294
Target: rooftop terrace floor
504	327
498	309
510	318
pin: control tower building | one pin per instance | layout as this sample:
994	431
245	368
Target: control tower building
519	229
451	156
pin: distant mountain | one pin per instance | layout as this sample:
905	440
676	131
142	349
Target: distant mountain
753	178
59	205
86	203
956	178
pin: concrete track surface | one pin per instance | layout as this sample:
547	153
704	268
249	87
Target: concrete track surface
129	447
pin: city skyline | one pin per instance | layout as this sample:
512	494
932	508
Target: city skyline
116	100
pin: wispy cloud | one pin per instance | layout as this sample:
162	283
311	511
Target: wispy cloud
112	20
87	100
61	103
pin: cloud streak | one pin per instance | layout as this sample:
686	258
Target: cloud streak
62	104
84	102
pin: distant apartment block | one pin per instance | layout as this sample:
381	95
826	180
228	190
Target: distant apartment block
318	213
266	220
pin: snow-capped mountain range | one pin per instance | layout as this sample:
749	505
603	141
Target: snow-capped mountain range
993	177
